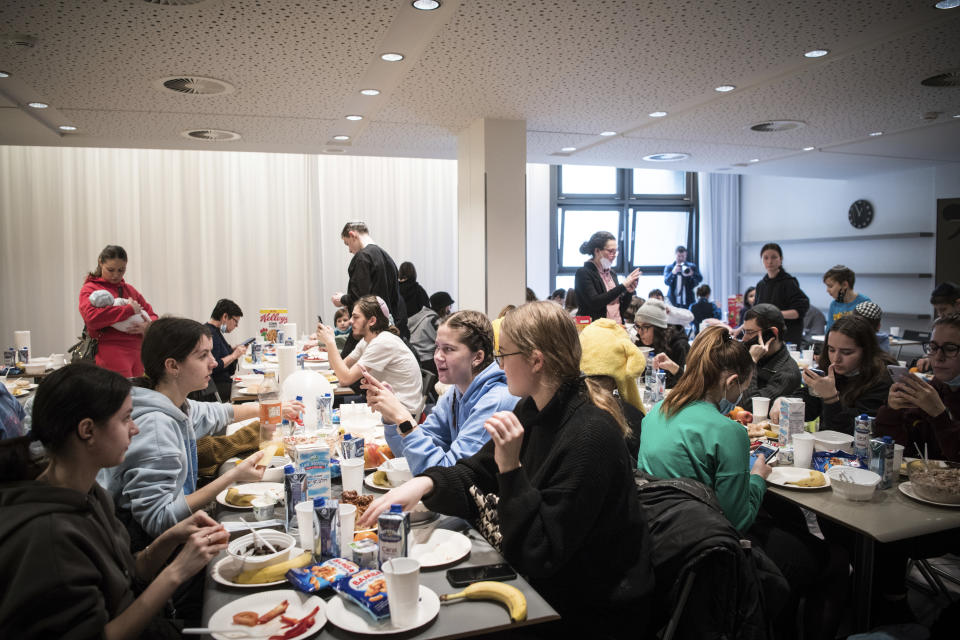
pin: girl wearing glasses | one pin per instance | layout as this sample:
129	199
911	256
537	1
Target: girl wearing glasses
454	429
928	414
597	290
553	489
856	379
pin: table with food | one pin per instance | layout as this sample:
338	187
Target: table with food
863	483
297	565
250	373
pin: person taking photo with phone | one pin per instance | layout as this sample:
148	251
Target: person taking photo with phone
776	373
224	319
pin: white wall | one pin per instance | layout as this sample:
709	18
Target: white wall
778	209
538	229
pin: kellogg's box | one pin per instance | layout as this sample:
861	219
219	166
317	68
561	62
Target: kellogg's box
271	321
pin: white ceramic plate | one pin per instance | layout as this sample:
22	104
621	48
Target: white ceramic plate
368	481
300	604
350	617
906	488
228	568
248	391
275	489
438	547
780	476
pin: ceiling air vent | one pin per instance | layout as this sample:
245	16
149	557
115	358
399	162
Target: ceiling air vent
666	157
776	126
211	135
195	85
948	79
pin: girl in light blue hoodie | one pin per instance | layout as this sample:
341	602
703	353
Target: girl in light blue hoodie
454	430
156	484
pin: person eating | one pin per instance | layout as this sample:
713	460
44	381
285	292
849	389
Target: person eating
454	429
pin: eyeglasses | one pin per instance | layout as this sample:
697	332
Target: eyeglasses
746	334
949	349
500	356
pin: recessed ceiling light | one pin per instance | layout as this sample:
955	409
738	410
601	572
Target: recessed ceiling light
754	159
874	134
4	74
947	4
426	5
608	133
370	92
724	88
38	105
67	127
354	117
809	148
391	57
568	149
341	137
666	157
816	53
658	114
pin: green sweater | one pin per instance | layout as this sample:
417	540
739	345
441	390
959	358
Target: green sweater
700	443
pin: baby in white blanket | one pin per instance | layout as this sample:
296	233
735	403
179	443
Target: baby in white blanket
103	298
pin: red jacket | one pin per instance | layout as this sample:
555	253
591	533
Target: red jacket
117	351
940	433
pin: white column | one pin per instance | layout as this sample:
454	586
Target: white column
491	209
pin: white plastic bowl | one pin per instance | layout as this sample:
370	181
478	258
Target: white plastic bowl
858	486
282	542
398	471
36	367
832	440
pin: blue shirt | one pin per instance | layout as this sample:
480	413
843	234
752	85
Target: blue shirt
12	415
840	309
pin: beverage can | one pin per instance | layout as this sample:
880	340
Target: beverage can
393	528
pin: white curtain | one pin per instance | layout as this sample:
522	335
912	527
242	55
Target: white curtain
261	229
720	234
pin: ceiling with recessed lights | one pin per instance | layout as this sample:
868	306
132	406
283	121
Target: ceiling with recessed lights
577	72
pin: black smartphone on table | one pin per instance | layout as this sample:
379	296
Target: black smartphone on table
248	342
465	576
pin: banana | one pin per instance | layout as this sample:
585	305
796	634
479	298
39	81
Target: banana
273	572
237	499
509	595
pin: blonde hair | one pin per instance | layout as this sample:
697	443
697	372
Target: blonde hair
713	352
545	327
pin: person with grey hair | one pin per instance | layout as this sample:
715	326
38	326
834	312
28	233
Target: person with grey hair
776	374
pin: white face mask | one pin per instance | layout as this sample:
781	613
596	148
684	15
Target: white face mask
606	263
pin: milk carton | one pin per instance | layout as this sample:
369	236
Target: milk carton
791	419
314	460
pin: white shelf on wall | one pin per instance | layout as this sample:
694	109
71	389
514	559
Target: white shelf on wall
859	275
875	236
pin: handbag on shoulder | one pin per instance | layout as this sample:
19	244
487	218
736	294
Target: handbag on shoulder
85	349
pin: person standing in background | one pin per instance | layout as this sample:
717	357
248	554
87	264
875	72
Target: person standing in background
749	299
597	290
413	294
782	290
839	281
680	278
116	350
372	273
224	319
703	308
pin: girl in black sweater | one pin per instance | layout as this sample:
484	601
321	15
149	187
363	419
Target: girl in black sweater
553	488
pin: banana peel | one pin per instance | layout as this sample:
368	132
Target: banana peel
237	499
814	479
380	479
506	594
273	572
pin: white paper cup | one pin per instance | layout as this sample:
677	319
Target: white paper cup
895	332
304	512
348	519
761	407
403	589
351	471
263	508
803	449
807	354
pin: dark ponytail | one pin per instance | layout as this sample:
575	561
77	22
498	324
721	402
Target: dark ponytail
110	252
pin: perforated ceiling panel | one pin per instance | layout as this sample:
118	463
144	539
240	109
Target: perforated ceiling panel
569	68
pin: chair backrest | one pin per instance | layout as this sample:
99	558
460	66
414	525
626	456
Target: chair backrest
429	380
919	336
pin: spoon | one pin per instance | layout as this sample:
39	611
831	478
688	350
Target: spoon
259	538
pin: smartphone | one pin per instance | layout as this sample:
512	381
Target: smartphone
769	453
319	319
897	373
247	343
819	372
468	575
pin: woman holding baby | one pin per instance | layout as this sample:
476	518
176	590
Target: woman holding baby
115	314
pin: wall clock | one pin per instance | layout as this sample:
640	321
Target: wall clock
860	214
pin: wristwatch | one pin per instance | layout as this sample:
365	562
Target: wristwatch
406	427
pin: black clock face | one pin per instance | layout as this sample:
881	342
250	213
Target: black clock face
860	214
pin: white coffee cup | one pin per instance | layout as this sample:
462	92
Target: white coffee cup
403	589
895	332
348	519
802	449
761	407
304	512
351	470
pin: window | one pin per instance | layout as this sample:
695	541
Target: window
648	211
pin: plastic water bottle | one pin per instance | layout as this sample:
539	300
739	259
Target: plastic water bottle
271	409
862	428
